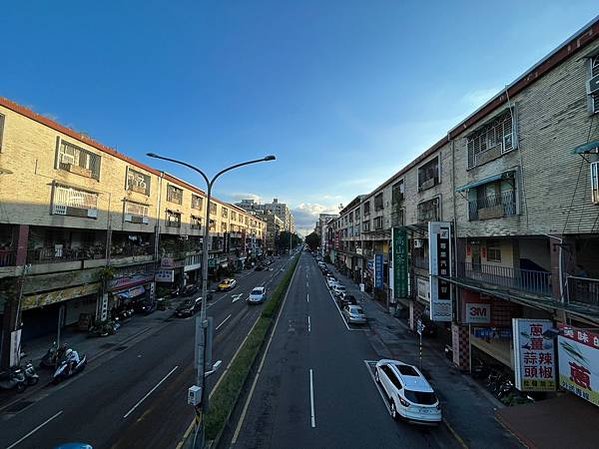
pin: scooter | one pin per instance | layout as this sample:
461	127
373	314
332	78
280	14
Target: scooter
31	377
64	372
54	354
13	378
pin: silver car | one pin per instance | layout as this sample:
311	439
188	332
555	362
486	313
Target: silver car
354	314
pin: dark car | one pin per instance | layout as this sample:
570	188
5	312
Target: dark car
145	306
346	300
189	307
191	290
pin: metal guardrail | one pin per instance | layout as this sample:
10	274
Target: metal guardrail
54	255
7	257
532	281
493	206
583	290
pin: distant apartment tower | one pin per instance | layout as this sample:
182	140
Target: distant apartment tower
281	210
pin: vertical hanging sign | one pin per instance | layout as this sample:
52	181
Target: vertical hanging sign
439	234
400	262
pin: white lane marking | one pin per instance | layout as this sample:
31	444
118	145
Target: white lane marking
307	284
248	400
35	430
150	392
223	322
309	324
236	297
214	303
371	369
339	310
307	297
312	413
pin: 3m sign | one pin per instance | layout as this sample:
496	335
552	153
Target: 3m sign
478	313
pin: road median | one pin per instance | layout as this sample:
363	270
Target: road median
229	389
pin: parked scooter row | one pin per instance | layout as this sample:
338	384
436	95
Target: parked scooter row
19	378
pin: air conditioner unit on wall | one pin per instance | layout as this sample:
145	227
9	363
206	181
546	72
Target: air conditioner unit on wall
418	243
593	85
595	182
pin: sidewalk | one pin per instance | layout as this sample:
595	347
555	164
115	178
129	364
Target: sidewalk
468	410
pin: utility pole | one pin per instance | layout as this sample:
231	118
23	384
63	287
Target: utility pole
203	337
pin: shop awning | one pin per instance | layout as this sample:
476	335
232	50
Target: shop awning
591	147
480	182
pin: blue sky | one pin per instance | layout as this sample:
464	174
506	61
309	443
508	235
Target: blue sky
343	92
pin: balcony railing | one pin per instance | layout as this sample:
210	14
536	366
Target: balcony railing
7	257
583	291
531	281
493	206
131	250
61	254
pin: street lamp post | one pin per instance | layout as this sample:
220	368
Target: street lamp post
201	323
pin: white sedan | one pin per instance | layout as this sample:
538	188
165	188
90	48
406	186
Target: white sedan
410	395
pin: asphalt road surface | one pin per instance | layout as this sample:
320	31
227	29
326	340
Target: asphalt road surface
315	389
135	396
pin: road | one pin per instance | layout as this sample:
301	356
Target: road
135	396
315	389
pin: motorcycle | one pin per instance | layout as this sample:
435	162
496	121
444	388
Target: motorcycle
13	378
105	328
53	355
64	371
31	377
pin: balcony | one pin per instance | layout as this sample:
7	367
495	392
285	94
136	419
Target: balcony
583	291
493	206
131	251
58	253
7	257
530	281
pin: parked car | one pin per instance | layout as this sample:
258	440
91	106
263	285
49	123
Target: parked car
339	289
227	284
192	289
189	307
410	395
354	314
346	300
331	281
257	295
144	306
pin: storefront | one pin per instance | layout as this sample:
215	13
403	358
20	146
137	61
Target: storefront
131	284
41	311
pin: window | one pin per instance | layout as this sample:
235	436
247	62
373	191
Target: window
429	210
196	201
212	225
366	207
428	174
74	202
491	140
366	226
493	251
224	212
223	227
135	213
1	130
595	182
392	377
196	222
593	84
174	194
138	181
233	215
173	219
378	223
420	397
76	160
246	221
213	209
493	200
357	214
397	192
378	202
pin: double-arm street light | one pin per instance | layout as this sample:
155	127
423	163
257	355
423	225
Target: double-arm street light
201	324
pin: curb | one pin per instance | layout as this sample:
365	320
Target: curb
522	440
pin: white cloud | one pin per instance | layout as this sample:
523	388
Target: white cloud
245	196
306	216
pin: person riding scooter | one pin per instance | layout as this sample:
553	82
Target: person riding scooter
72	358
